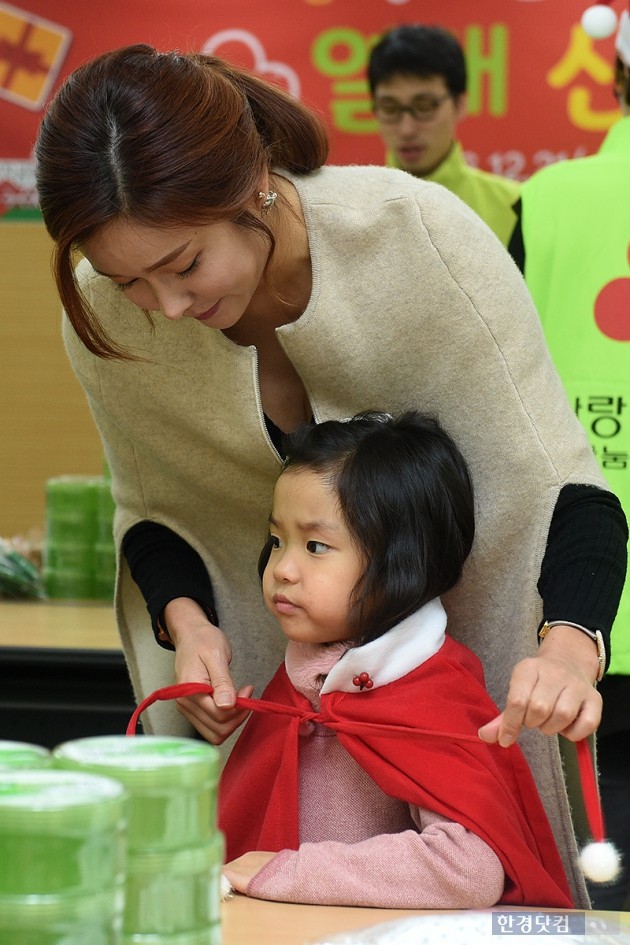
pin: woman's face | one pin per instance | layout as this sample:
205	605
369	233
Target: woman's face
209	272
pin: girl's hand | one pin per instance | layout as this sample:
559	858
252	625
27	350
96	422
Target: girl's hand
241	871
552	691
203	654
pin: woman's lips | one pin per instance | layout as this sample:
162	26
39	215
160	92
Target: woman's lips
211	311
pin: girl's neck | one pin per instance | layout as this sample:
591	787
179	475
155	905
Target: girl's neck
308	664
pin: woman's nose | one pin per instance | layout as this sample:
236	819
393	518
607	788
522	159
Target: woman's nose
174	306
173	301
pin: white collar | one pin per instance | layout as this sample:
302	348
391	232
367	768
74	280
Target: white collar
393	655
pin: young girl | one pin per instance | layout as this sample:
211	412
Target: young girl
362	781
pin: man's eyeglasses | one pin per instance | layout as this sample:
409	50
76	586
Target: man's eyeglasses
423	108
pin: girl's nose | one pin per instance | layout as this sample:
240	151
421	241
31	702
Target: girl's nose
285	568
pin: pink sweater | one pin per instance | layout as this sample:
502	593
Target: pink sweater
359	847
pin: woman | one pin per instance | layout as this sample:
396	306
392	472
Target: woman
197	195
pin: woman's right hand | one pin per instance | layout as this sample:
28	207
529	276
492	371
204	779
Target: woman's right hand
203	654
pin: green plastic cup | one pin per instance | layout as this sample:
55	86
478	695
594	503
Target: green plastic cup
23	755
62	833
172	785
63	920
175	892
72	509
72	506
104	547
62	582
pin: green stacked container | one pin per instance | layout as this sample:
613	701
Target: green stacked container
23	755
104	548
79	560
62	850
71	521
175	850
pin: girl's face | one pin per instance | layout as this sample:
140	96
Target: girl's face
314	563
209	272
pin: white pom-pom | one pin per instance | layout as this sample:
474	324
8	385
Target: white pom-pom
599	21
226	888
600	862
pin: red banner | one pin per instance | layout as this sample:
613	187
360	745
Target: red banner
539	88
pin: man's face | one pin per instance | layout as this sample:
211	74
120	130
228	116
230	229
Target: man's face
418	146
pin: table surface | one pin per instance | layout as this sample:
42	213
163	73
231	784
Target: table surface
58	624
254	922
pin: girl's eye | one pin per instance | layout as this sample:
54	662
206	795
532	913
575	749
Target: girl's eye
273	541
124	285
190	270
316	547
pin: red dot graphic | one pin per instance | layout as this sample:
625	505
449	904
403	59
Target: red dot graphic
612	309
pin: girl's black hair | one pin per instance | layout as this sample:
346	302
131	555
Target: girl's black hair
407	499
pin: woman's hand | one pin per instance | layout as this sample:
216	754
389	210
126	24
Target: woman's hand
241	871
552	691
203	654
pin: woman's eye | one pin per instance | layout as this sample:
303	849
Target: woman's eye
316	547
190	270
181	275
274	541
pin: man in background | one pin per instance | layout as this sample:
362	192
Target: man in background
417	79
576	259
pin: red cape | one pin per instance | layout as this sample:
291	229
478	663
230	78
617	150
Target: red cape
417	739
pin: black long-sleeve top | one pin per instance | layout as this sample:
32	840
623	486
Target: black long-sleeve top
581	578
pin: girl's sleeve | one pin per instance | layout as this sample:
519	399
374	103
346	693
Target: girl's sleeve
441	866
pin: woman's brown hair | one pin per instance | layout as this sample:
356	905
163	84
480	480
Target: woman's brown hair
164	139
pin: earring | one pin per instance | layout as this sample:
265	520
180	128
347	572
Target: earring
268	200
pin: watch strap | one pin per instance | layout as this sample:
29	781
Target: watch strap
595	635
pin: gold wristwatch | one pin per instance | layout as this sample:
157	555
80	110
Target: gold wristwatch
595	635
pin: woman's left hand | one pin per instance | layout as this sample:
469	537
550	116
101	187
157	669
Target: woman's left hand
553	691
241	871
